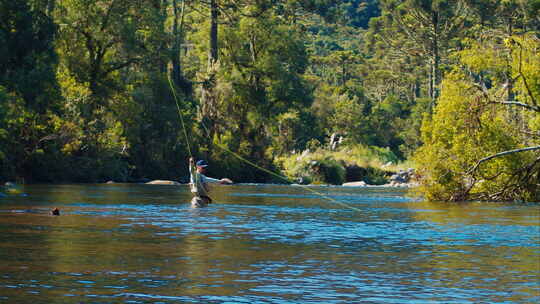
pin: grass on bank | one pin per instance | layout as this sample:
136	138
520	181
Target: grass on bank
372	165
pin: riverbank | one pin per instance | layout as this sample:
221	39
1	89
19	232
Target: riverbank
359	184
350	166
355	165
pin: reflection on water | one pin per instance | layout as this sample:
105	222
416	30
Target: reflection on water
262	244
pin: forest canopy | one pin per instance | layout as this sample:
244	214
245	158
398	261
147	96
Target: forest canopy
96	90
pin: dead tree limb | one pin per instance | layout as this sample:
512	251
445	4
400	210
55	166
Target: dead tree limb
519	104
481	87
485	159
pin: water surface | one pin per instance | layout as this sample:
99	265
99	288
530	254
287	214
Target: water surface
262	244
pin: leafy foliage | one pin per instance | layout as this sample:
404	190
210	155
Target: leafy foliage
353	163
472	122
86	90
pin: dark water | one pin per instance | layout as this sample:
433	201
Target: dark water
262	244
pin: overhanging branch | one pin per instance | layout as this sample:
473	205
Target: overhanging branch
485	159
519	104
117	66
481	87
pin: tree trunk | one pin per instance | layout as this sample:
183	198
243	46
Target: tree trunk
431	89
208	97
436	57
50	7
436	73
175	56
213	56
512	112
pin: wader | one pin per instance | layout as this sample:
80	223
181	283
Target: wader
200	201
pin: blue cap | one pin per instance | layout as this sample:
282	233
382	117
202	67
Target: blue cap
202	163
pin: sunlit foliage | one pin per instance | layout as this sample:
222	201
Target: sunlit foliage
86	90
480	115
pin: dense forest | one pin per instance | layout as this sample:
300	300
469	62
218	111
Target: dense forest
127	90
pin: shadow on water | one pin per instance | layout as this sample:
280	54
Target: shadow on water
261	244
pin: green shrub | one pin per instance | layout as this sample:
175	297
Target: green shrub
354	163
314	168
370	175
468	125
327	171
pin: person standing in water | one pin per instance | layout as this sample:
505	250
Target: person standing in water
199	183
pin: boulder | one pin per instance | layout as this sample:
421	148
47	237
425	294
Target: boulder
162	182
304	154
403	176
388	164
398	178
355	184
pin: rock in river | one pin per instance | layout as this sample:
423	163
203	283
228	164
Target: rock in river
162	182
355	184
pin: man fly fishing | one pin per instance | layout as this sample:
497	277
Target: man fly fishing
199	183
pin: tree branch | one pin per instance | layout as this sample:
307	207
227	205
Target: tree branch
520	104
120	65
107	16
89	41
501	154
483	89
523	75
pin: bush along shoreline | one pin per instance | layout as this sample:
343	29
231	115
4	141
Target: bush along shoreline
350	166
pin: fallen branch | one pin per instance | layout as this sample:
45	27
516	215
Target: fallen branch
517	184
501	154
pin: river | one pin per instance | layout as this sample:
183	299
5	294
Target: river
129	243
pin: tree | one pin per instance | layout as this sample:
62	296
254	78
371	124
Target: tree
29	92
423	28
510	16
100	37
98	42
27	57
472	150
178	35
359	12
259	79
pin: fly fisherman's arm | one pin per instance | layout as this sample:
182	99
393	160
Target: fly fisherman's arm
223	181
198	175
226	181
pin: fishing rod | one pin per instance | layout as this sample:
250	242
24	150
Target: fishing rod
248	161
180	114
